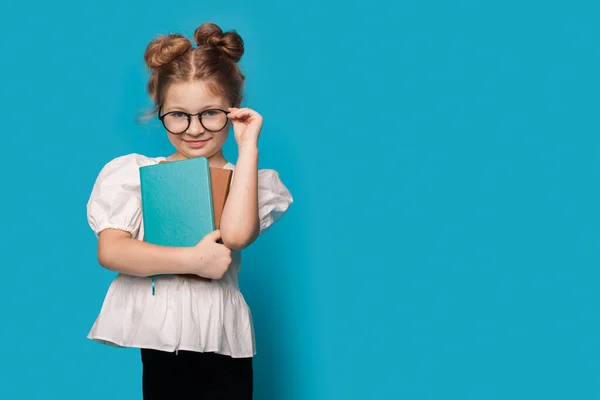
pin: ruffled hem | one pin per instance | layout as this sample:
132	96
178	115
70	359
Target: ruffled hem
184	314
111	342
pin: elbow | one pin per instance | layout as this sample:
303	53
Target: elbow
236	242
239	240
111	250
108	254
104	258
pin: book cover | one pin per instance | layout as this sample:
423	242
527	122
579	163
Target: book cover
220	179
177	202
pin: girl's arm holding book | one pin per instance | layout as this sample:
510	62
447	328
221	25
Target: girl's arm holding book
119	252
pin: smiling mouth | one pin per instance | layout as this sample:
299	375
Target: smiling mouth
196	144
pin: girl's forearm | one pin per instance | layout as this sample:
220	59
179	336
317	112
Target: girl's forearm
134	257
240	221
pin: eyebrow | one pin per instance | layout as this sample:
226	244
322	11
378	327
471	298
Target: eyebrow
179	108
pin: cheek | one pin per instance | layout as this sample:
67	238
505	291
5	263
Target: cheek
174	140
221	137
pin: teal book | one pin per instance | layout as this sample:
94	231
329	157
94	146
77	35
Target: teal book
177	203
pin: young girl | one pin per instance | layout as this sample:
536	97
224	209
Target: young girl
195	334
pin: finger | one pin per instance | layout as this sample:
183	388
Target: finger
238	115
232	111
243	113
243	118
214	236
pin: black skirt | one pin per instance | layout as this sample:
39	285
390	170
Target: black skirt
197	376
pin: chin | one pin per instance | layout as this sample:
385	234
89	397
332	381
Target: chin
193	153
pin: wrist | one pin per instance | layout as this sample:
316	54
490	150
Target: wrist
185	260
247	149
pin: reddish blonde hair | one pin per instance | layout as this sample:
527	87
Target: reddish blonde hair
172	58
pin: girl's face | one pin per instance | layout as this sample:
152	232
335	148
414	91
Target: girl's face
196	141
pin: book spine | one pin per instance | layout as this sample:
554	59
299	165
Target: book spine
210	198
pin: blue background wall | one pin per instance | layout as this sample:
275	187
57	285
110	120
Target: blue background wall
444	161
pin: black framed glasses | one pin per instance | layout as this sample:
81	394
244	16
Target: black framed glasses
177	122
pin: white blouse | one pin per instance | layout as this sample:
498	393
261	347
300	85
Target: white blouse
183	314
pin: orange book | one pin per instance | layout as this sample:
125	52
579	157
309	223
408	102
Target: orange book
220	179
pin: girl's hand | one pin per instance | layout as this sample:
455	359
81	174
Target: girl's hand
247	124
209	258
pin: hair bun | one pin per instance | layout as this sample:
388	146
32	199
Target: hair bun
165	49
229	43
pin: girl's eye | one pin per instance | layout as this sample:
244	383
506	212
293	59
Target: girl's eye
179	114
210	113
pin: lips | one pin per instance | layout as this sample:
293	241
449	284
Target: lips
196	144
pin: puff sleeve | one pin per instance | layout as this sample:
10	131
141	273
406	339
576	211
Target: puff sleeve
274	198
115	201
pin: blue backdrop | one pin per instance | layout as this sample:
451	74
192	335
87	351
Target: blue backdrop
443	157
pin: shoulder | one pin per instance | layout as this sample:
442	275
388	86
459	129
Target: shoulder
132	160
115	200
270	185
274	198
271	189
125	167
269	176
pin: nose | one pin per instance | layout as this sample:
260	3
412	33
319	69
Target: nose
195	128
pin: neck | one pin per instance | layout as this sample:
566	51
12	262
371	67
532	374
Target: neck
217	160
